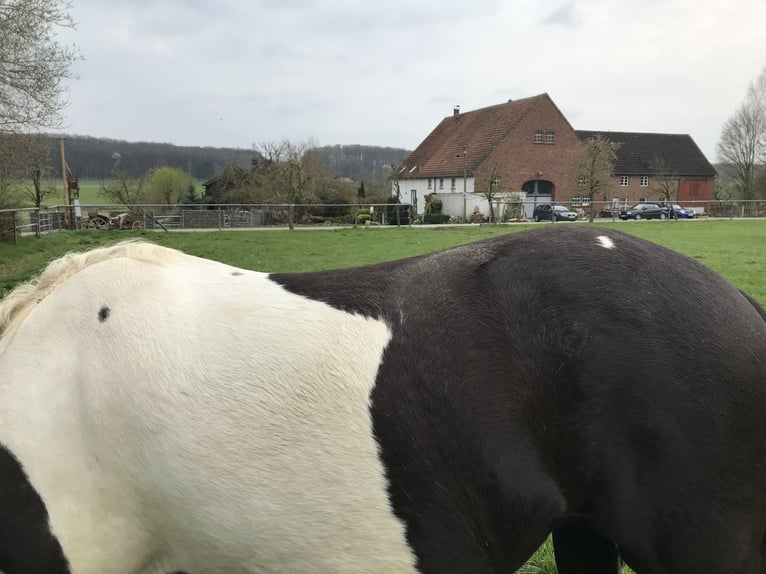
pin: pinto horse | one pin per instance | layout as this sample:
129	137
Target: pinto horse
437	414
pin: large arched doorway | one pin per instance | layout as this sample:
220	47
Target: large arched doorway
537	191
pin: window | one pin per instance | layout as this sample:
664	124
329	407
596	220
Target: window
539	136
644	181
441	183
641	200
585	201
624	180
452	184
550	137
429	183
582	181
576	201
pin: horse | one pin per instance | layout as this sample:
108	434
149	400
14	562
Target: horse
443	413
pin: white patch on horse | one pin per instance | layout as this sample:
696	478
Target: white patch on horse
209	425
605	242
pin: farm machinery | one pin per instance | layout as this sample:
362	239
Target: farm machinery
105	220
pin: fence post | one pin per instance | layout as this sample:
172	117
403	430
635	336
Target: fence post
290	216
37	218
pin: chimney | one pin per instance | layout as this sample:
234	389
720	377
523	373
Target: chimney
456	112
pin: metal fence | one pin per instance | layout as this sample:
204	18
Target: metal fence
33	221
15	222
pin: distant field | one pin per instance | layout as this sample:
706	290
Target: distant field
90	192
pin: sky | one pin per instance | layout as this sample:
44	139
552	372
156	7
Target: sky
240	73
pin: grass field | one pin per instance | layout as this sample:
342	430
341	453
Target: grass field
736	249
90	192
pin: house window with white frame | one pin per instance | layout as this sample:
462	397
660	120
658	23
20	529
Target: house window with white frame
539	136
452	184
624	180
550	138
441	183
576	201
582	181
644	181
429	183
585	201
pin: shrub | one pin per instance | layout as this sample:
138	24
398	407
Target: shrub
436	218
363	215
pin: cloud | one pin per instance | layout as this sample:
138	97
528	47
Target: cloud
231	73
565	15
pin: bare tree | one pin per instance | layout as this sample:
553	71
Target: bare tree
490	188
594	168
393	178
290	172
742	147
33	63
24	158
665	181
125	190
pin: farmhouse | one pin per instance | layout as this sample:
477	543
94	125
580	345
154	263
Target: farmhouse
521	153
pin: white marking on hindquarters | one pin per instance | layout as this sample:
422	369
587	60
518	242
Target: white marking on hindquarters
605	242
234	435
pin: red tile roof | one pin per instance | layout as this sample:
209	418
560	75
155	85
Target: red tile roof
478	132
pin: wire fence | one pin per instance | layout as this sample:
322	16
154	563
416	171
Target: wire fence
33	221
28	221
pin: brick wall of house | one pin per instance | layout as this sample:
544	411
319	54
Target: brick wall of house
519	159
694	191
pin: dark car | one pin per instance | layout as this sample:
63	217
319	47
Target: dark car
684	212
543	213
646	211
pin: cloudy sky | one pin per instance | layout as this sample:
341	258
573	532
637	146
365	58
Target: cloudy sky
234	73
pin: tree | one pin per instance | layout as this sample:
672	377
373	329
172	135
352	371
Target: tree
167	185
395	171
490	189
742	147
665	181
235	184
594	168
291	172
33	63
125	190
24	158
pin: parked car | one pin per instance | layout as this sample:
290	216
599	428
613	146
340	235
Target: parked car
646	211
542	212
684	212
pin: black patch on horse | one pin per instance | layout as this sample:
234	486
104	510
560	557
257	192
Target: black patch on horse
27	545
539	382
103	313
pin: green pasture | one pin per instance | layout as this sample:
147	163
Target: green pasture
90	192
736	249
